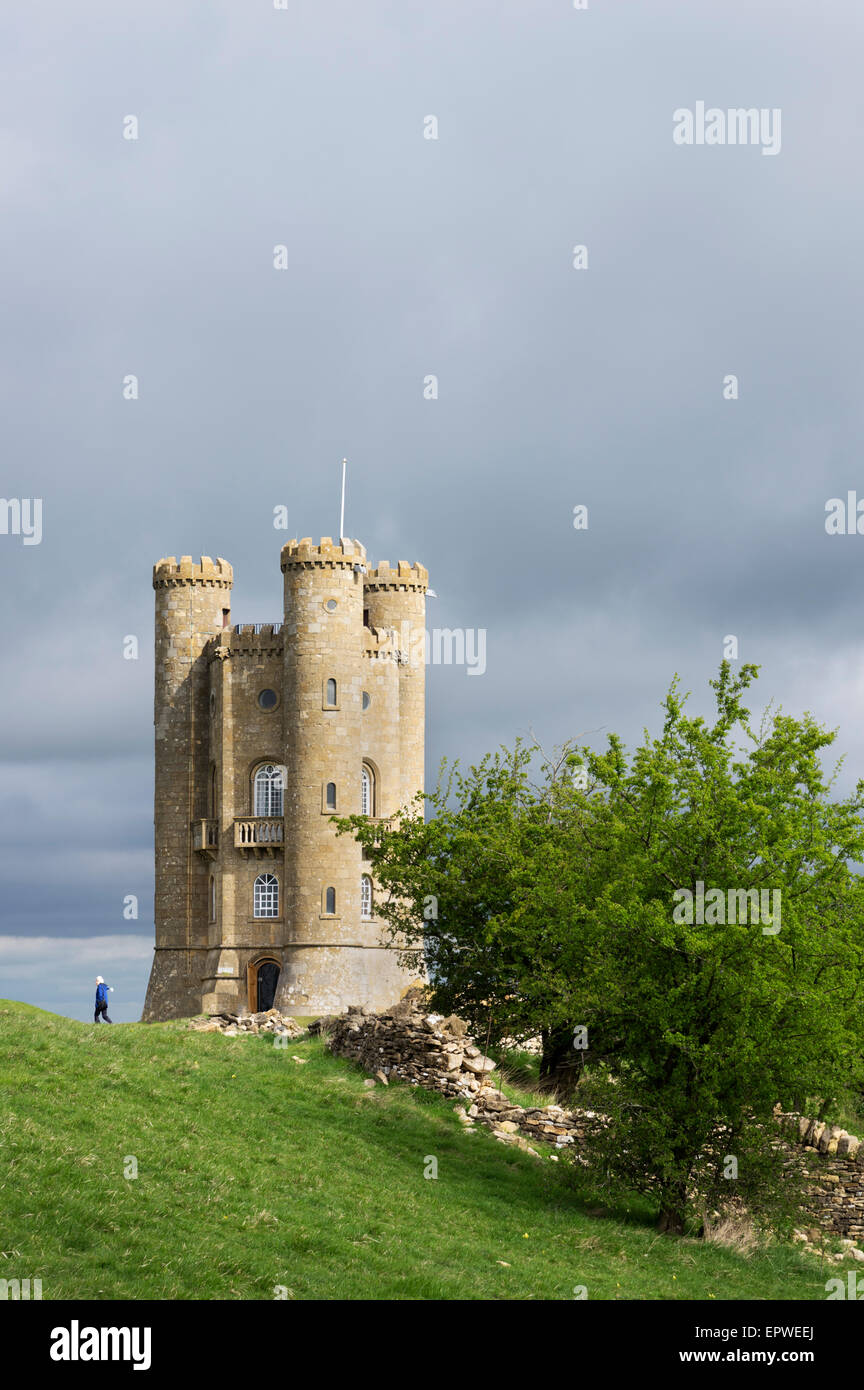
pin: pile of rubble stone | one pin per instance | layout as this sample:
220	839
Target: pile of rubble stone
235	1025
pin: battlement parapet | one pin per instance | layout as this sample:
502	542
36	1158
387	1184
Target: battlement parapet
304	554
247	639
169	572
379	644
402	576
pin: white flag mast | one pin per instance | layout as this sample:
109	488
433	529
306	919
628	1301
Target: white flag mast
342	512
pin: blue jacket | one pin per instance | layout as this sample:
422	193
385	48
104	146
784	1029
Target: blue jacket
101	994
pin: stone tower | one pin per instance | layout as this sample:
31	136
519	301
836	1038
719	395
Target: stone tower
192	607
263	733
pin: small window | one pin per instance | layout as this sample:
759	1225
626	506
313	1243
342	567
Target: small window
330	797
365	617
266	896
268	699
330	693
226	617
212	899
331	605
213	792
212	703
367	791
367	699
330	901
268	791
365	896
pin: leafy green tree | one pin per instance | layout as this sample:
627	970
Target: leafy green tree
618	897
720	1018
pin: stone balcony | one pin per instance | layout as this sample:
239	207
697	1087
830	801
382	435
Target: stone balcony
259	836
205	837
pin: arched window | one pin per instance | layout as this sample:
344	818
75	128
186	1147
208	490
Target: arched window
330	900
212	898
331	692
367	791
268	791
266	900
330	798
365	896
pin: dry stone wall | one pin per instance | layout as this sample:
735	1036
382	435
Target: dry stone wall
835	1164
436	1052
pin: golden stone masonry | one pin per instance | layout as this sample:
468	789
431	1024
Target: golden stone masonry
263	733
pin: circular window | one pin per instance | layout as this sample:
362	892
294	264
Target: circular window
331	605
367	699
267	699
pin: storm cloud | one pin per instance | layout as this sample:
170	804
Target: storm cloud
407	258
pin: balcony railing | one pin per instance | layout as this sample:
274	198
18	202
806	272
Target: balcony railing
205	837
259	835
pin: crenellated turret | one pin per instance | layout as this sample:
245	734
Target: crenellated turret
396	599
322	692
192	606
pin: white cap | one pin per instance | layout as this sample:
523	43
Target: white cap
99	980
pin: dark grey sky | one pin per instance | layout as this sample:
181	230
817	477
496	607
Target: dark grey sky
410	257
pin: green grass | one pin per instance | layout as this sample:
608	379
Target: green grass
254	1171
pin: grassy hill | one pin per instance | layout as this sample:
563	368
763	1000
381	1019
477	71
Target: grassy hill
255	1170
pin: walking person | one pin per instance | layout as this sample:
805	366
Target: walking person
102	1000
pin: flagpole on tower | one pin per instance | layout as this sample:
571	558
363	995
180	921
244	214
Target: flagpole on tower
342	512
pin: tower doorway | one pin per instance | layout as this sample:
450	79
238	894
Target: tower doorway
262	985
